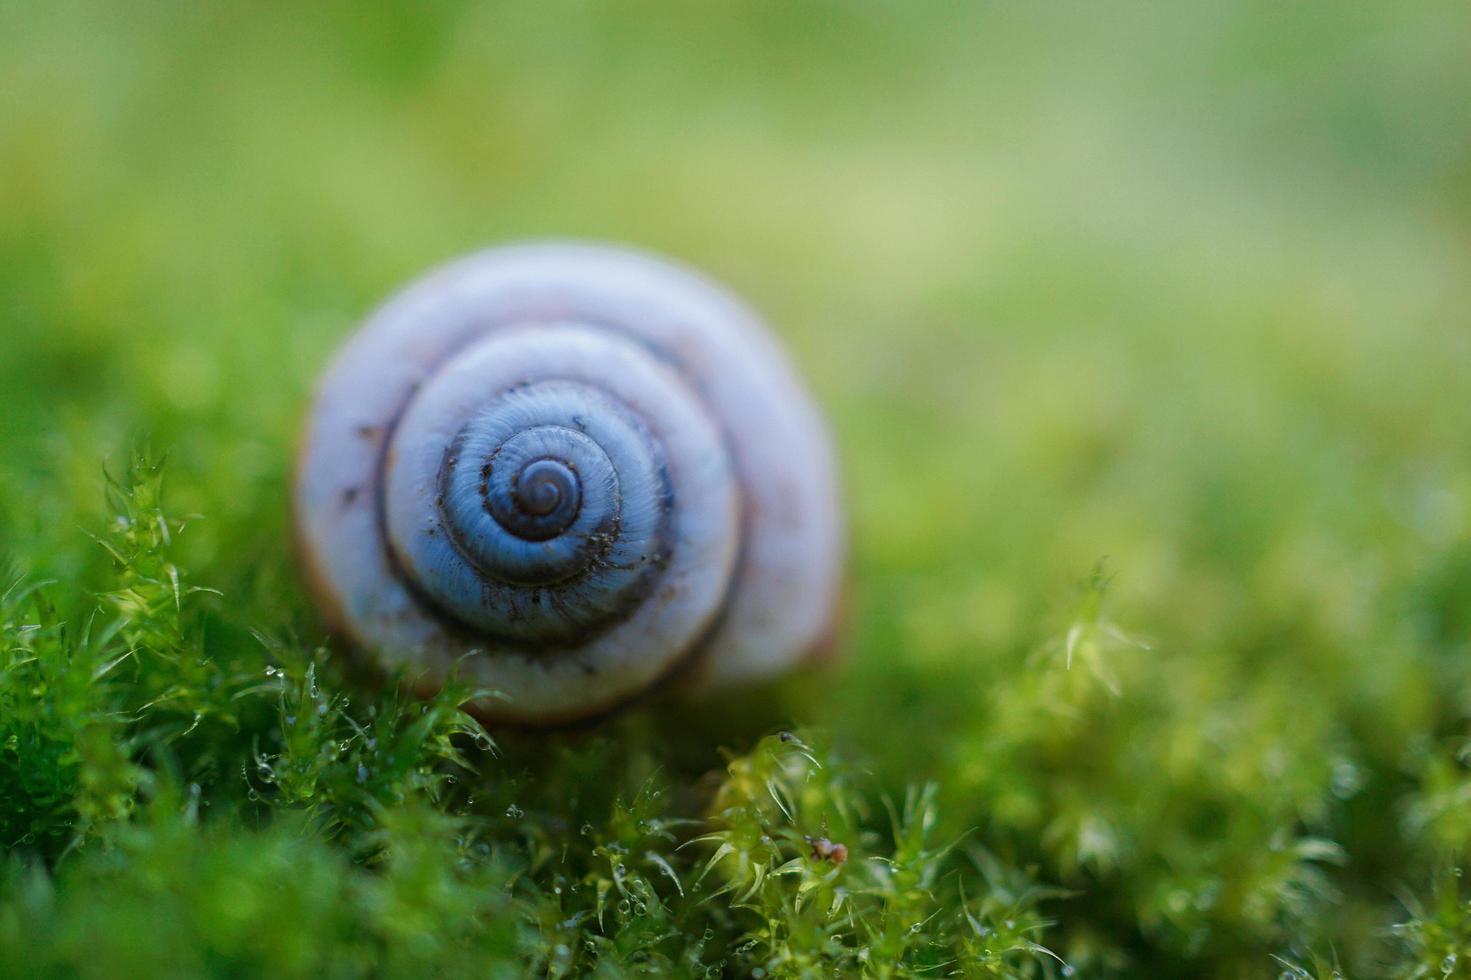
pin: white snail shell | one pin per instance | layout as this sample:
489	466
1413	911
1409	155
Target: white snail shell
586	466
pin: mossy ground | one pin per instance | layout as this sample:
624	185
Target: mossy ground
1186	287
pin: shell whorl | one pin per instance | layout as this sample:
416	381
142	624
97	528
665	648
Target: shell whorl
580	463
561	560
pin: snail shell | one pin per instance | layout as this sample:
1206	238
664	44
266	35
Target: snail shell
585	465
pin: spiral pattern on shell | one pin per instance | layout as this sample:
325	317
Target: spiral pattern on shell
583	465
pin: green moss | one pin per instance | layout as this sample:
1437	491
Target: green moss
1183	287
258	813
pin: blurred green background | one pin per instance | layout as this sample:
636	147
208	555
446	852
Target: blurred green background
1182	286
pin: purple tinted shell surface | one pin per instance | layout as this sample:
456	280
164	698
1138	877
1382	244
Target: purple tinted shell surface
582	465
